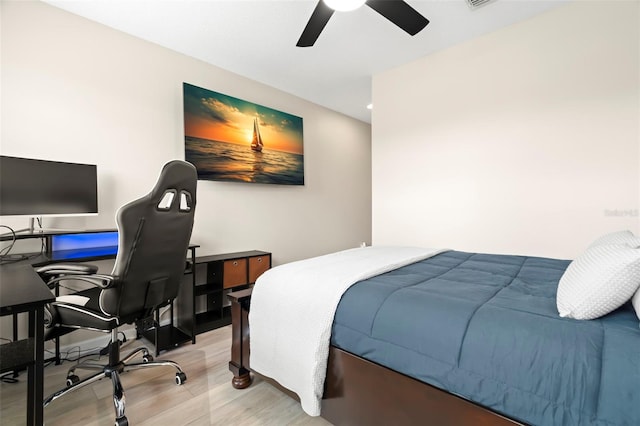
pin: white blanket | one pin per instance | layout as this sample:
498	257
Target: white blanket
292	310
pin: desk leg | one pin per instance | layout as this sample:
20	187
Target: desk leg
15	337
39	366
35	381
31	369
57	339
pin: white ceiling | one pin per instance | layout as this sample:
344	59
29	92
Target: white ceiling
257	39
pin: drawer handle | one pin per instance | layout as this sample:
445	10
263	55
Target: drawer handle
235	263
259	259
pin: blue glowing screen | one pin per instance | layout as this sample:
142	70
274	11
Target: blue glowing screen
102	241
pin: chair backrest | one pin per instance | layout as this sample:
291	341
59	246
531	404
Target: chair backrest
153	239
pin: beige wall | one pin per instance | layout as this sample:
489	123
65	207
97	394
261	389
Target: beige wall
74	90
525	140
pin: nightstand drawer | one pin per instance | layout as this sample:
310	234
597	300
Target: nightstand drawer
257	265
235	273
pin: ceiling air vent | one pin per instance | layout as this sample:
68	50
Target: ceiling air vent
477	3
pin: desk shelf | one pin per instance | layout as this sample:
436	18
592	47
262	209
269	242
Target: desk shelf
166	337
16	355
169	336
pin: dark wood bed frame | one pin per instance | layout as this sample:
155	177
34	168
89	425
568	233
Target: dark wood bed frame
360	392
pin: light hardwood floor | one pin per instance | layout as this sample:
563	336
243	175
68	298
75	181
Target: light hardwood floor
153	398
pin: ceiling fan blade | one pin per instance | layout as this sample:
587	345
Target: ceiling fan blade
316	24
401	14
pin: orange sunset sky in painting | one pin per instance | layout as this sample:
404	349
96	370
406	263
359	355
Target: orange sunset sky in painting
214	116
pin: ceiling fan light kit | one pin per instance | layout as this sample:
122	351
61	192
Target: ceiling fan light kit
344	5
396	11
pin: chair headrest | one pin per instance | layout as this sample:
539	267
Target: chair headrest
177	181
177	174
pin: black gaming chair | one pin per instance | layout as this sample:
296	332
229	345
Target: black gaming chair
153	238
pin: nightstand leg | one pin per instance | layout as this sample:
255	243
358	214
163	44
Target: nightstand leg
239	364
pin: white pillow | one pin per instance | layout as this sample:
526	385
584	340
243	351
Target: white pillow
620	237
635	301
599	281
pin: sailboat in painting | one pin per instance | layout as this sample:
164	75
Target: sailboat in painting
256	142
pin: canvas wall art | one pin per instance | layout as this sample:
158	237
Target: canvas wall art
229	139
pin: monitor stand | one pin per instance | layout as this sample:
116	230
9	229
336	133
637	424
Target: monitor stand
32	226
29	230
32	230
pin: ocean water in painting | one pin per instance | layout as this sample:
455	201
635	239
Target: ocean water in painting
235	162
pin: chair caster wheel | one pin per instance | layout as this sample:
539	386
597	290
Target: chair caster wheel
72	380
147	358
122	421
180	378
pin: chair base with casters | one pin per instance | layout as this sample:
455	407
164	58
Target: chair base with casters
113	370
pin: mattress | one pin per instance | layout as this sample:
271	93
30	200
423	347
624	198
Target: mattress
486	327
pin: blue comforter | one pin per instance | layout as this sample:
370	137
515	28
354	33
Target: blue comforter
486	327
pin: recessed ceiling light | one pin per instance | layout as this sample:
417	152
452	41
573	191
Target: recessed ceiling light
370	106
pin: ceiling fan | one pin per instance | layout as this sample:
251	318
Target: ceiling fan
397	11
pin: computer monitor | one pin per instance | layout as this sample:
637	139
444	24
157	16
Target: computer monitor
30	187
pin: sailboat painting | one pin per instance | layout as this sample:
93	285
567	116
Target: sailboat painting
256	142
229	139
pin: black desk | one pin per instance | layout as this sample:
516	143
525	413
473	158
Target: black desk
40	259
164	337
22	290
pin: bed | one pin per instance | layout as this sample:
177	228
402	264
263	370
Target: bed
459	338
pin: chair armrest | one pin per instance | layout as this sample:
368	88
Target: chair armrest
98	280
66	269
